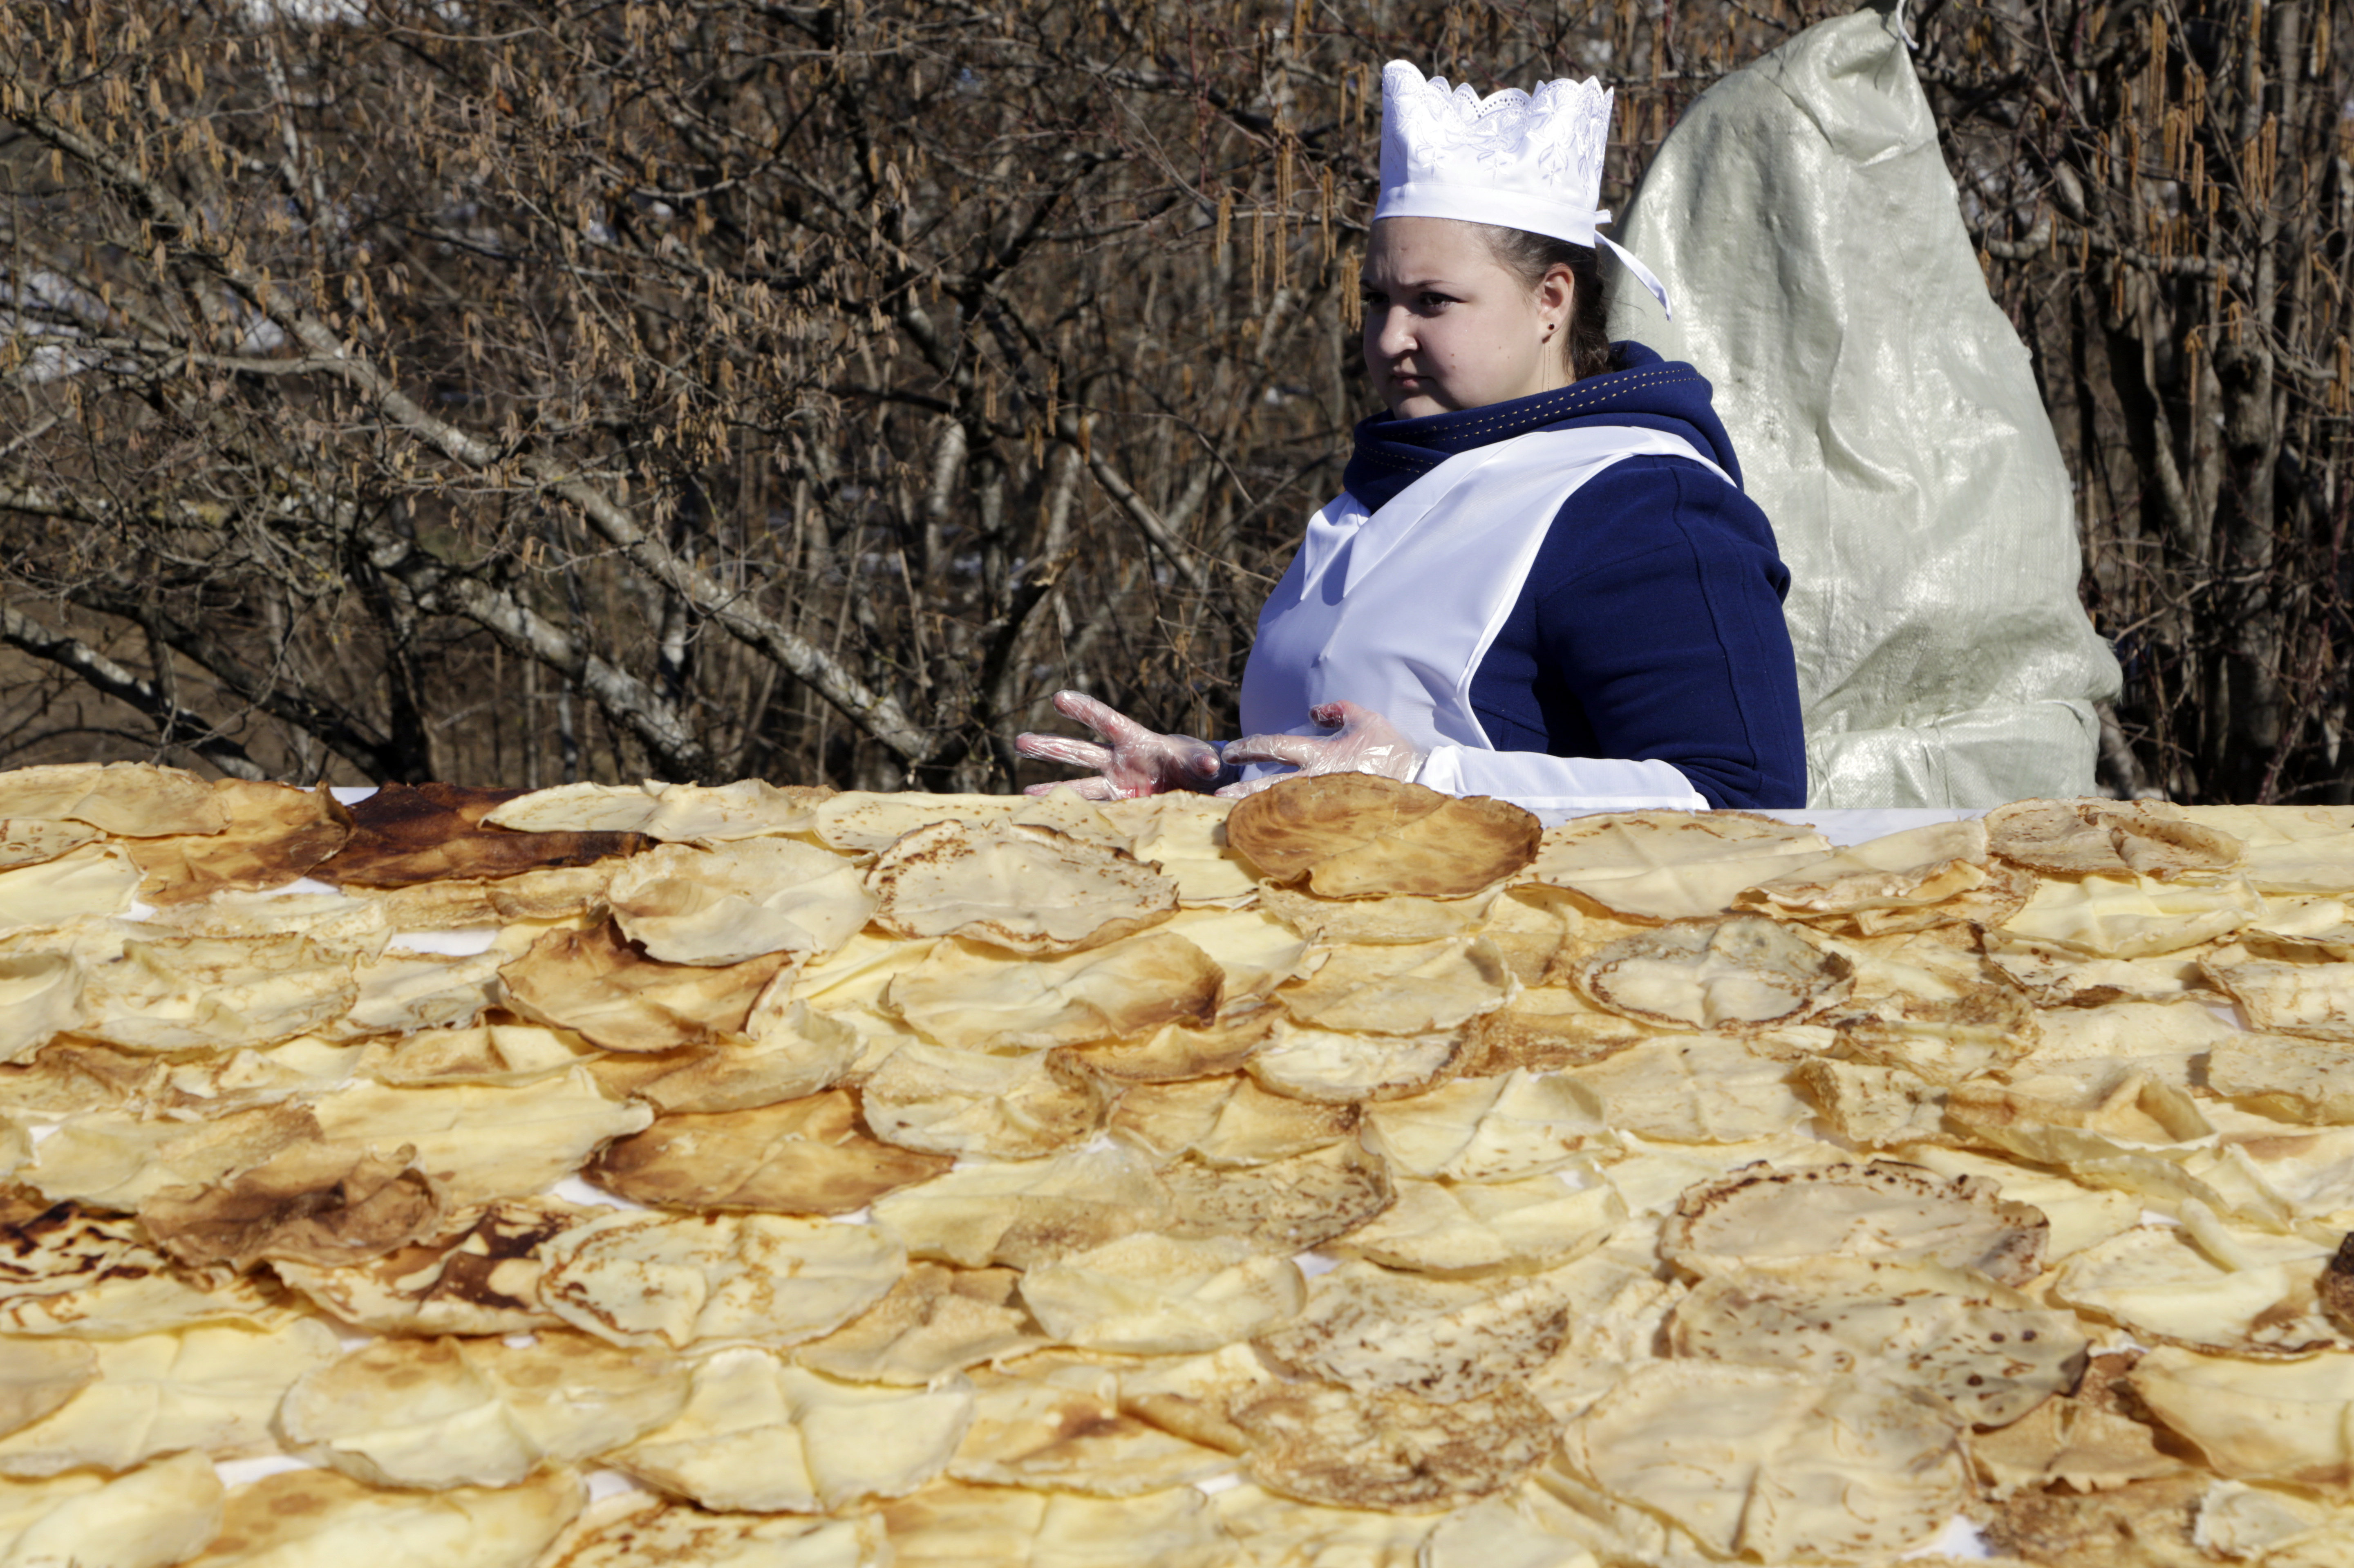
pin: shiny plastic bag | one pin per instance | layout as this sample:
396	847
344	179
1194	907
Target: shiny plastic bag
1887	420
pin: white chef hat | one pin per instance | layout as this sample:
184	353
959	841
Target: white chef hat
1517	160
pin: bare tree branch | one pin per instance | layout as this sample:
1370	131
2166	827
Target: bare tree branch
175	725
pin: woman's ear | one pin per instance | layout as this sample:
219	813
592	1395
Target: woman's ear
1556	300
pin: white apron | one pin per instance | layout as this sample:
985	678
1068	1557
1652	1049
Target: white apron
1395	611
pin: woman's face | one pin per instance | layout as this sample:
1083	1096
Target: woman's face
1448	326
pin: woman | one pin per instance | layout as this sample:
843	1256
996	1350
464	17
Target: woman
1542	580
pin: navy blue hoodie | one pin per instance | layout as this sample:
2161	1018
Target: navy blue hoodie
1651	626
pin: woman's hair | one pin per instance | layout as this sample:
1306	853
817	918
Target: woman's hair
1529	257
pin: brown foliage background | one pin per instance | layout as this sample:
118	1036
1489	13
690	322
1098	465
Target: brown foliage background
394	389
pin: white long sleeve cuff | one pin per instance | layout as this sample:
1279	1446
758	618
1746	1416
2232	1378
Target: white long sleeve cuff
1541	783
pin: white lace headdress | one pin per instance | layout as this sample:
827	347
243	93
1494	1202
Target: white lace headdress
1518	160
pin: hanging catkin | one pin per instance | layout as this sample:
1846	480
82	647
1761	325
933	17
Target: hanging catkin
1258	254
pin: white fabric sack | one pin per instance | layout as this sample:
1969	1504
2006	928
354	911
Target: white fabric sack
1886	419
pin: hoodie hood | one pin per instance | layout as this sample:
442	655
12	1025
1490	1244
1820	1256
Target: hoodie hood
1646	390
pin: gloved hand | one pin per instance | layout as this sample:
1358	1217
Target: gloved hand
1362	741
1133	760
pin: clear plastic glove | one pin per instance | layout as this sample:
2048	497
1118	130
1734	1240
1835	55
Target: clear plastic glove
1131	762
1362	741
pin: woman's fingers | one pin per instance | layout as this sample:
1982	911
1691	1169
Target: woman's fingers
1106	721
1197	758
1362	741
1133	760
1160	762
1064	748
1300	750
